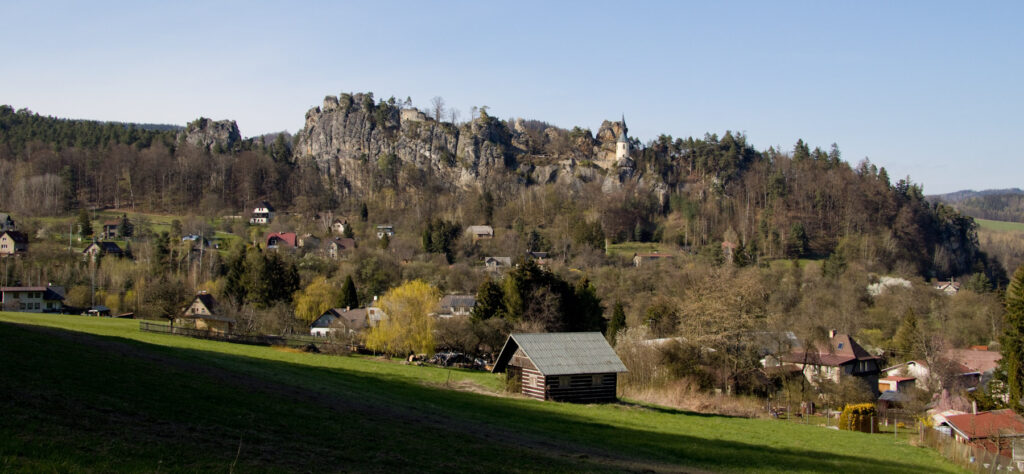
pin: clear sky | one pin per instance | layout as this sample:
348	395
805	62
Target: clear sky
927	89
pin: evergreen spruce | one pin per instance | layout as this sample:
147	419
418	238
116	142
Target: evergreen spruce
617	323
84	224
349	295
1013	340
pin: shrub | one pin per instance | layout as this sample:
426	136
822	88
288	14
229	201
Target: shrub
859	417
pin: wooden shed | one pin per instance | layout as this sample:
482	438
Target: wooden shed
570	366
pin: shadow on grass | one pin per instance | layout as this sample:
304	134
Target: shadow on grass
559	436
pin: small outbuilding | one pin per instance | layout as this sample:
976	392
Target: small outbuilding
569	366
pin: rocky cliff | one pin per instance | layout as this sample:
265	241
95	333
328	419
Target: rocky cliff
348	133
210	134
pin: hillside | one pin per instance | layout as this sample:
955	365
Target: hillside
91	395
993	204
357	152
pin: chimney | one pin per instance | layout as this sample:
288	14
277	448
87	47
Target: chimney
974	407
832	334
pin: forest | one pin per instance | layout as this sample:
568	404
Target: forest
764	241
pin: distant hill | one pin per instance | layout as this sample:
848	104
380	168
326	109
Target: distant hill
994	204
958	196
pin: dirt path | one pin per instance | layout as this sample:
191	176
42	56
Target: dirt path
546	446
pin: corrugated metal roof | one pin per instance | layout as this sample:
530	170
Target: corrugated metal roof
563	353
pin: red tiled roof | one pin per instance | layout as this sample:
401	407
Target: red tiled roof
287	237
976	361
987	424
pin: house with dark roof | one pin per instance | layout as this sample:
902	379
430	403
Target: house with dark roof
32	299
99	249
455	305
350	320
13	242
262	214
640	258
571	366
6	222
339	225
497	264
339	247
836	359
110	229
202	314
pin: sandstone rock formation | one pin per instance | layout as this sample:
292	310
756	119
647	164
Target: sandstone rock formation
348	136
208	134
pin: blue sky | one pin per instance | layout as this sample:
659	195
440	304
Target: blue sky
927	89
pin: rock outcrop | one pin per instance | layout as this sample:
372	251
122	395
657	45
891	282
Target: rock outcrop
351	139
209	134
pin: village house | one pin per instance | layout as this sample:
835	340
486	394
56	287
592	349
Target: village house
98	310
479	232
374	314
309	241
497	264
279	240
195	238
572	367
994	431
32	299
455	305
834	360
339	226
385	231
640	258
896	383
948	287
262	214
6	222
202	314
340	247
110	229
540	258
102	248
13	242
339	319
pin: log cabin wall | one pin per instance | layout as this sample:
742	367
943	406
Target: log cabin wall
583	388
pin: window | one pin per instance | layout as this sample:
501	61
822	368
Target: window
841	345
597	379
563	381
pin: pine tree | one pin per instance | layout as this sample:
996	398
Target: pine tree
349	295
617	323
489	301
1013	340
84	224
125	228
907	338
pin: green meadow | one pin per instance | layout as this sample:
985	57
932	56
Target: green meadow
83	394
1001	226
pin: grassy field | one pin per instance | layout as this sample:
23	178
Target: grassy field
82	394
1001	226
629	248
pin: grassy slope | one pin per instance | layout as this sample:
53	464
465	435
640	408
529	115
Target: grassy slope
125	400
1001	226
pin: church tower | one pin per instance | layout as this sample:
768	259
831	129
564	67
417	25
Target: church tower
622	144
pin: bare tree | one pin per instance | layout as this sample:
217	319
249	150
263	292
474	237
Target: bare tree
437	107
453	115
